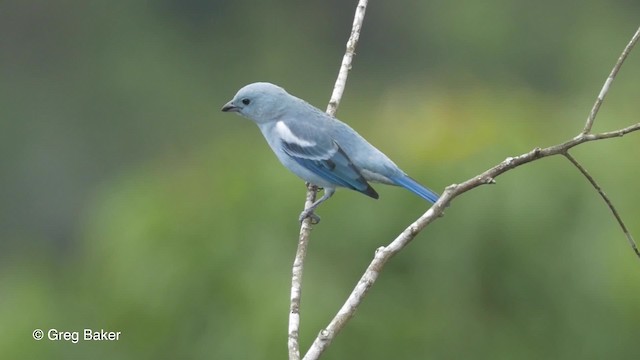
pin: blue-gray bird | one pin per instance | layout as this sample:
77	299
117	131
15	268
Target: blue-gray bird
318	148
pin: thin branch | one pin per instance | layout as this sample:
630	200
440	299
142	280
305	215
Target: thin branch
385	253
611	134
305	228
606	200
605	88
347	59
296	279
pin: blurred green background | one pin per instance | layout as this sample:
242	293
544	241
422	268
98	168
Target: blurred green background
129	202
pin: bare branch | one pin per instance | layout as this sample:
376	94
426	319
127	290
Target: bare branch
305	228
610	134
384	253
296	278
341	81
606	200
607	83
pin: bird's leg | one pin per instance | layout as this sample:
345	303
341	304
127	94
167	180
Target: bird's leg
308	212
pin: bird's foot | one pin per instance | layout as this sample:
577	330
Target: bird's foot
310	185
308	213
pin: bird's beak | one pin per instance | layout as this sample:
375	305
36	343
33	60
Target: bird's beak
230	107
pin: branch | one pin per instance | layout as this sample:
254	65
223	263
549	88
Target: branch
305	228
341	81
605	88
385	253
296	278
606	200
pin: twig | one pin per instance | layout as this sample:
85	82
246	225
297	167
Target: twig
296	278
605	88
606	200
384	253
347	59
305	228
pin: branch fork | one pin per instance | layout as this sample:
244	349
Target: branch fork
384	253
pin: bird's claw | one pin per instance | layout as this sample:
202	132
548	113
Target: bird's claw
309	214
310	185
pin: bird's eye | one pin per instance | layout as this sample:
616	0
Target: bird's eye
246	101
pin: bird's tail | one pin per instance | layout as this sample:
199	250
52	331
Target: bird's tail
415	187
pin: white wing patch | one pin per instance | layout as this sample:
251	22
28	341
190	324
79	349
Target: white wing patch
285	133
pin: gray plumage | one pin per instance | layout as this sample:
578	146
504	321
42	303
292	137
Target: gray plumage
318	148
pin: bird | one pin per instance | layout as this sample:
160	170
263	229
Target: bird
317	147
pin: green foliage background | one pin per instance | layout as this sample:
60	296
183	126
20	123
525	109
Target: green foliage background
130	203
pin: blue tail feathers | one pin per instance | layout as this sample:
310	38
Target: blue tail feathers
413	186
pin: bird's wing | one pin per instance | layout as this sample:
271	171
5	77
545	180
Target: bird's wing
328	161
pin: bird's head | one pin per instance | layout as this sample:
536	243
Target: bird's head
261	102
